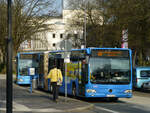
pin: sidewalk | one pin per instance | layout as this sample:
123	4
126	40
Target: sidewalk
47	105
41	102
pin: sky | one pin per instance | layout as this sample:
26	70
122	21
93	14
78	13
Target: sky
59	5
62	4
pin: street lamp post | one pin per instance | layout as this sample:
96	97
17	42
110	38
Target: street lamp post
9	60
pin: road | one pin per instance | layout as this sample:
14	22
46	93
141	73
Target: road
140	103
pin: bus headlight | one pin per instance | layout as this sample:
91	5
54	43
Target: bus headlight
91	91
20	80
128	91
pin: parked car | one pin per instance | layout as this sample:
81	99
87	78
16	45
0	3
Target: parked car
146	85
141	75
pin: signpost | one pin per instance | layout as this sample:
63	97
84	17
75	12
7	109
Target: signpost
124	39
67	46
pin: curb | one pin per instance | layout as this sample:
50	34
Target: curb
80	108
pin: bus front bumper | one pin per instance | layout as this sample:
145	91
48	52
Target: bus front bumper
126	95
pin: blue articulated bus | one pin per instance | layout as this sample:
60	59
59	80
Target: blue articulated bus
27	61
95	72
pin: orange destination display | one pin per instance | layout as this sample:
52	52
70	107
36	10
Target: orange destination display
108	53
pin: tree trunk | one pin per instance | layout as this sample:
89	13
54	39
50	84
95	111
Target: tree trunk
134	58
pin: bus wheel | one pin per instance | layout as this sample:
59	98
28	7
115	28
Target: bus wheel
142	88
74	91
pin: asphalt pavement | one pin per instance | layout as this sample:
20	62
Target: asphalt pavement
41	102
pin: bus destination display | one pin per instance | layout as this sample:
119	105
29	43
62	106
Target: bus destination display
110	53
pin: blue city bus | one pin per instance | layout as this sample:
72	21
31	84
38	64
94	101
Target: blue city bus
26	61
94	72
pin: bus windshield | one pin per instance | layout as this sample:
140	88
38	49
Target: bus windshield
109	70
24	64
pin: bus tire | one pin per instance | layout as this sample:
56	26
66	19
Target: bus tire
74	91
142	88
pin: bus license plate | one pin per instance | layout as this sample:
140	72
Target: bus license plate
110	95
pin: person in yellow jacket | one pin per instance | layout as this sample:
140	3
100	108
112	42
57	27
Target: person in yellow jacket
55	75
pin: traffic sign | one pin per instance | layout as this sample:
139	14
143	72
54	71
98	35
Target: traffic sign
66	44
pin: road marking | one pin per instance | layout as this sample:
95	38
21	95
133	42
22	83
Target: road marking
2	77
108	110
20	107
16	107
2	109
49	110
35	110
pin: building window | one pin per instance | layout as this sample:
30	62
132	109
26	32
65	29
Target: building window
69	35
54	44
53	35
76	35
61	35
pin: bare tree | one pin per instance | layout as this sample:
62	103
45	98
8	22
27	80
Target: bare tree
87	17
3	32
28	18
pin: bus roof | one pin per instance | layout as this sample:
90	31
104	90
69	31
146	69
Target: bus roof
142	67
88	50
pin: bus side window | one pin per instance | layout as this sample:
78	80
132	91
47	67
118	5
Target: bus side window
61	66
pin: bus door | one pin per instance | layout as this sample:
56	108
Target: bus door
41	72
83	78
